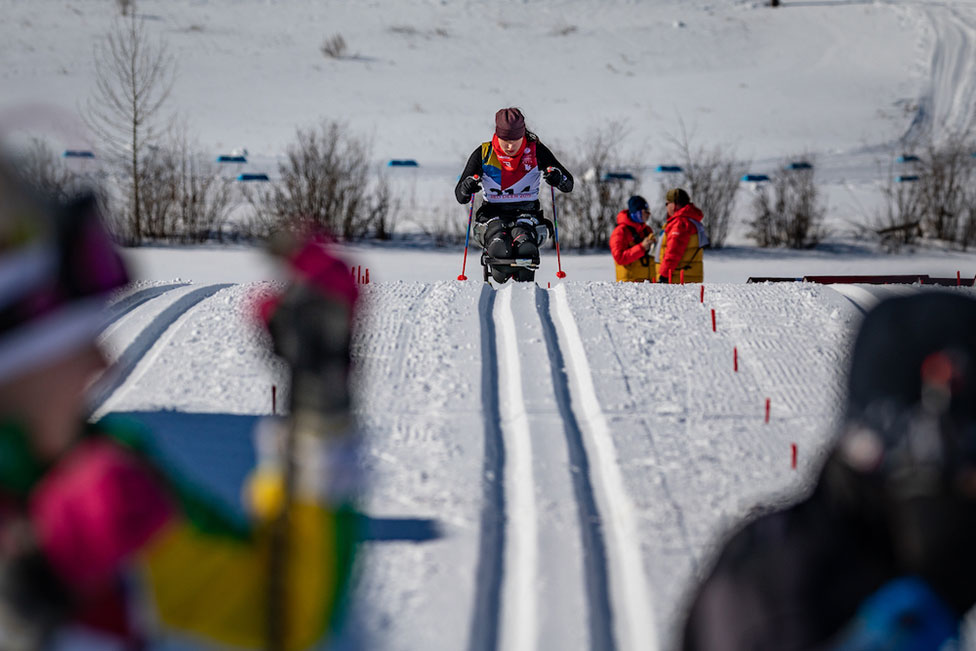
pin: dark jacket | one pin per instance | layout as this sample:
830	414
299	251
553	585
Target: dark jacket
475	165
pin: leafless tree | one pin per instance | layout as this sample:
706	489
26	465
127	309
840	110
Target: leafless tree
711	177
586	215
789	211
133	78
126	6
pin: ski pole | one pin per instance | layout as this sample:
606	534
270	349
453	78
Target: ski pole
467	235
555	230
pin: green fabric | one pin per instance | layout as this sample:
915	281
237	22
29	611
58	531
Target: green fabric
349	533
19	468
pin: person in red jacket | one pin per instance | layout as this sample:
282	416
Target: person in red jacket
683	241
631	242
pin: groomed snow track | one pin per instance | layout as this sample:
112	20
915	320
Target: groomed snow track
553	498
149	336
547	468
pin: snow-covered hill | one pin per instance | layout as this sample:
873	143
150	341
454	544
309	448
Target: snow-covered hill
547	468
843	80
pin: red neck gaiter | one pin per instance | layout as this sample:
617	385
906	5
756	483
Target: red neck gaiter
509	163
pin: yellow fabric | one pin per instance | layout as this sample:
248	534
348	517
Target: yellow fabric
264	492
691	261
217	587
636	272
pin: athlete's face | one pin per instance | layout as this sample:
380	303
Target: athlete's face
511	147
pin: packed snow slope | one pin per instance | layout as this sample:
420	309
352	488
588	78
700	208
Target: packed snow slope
845	82
546	468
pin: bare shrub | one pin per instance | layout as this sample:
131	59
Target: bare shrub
404	30
935	201
203	196
325	183
411	31
444	228
133	78
384	211
788	211
334	47
563	30
586	215
898	222
48	174
184	197
126	6
946	178
157	198
711	177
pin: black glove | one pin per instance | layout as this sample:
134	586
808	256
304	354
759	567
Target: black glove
470	185
554	176
549	226
663	279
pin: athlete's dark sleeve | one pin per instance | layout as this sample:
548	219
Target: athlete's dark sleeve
472	167
547	160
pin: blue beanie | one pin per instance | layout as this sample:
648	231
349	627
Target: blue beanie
635	205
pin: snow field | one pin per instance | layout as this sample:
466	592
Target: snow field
546	468
692	447
416	355
191	348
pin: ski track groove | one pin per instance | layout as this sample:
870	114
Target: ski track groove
485	619
632	604
150	336
601	616
519	629
122	308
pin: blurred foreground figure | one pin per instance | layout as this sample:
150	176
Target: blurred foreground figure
882	555
100	546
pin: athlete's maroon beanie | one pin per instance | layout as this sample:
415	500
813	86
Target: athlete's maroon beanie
509	124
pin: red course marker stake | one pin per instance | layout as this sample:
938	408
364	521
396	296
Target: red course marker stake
793	455
735	359
713	321
682	277
274	399
958	278
702	299
359	274
767	410
367	275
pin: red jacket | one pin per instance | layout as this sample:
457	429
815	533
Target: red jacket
678	231
624	244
